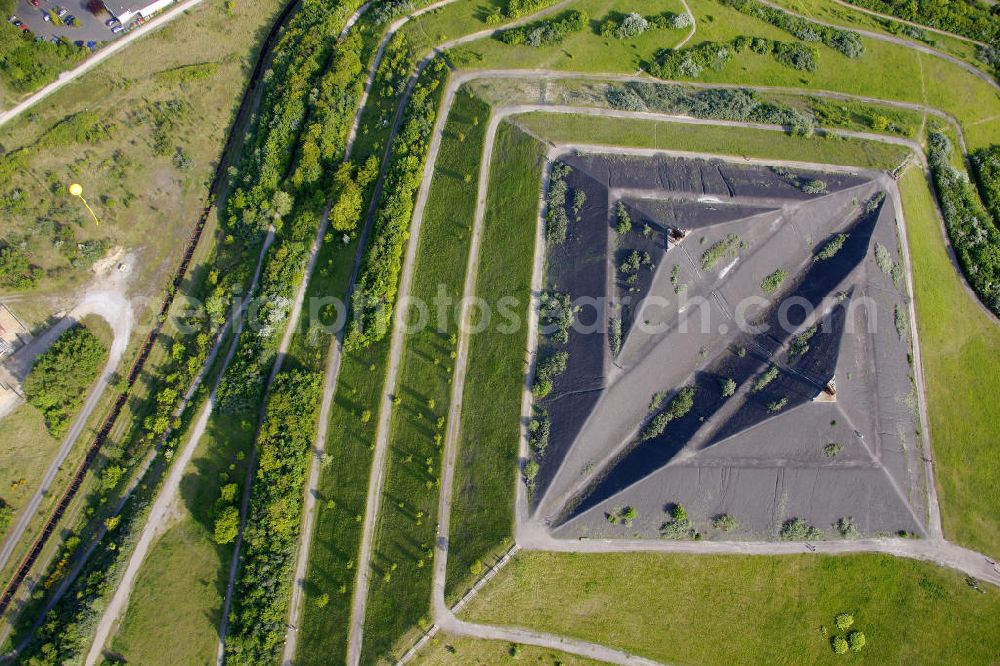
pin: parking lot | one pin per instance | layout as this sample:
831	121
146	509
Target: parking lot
89	28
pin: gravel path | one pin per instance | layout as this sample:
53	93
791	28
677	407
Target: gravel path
934	549
908	43
872	12
163	507
112	306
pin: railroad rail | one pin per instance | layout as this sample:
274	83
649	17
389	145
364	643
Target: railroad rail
137	366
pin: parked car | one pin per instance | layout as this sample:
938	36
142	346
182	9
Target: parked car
117	29
91	45
12	19
61	12
36	3
70	20
24	27
46	17
111	22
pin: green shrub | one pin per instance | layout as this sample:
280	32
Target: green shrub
773	281
832	449
725	523
839	645
679	406
843	621
549	368
856	640
728	387
830	250
623	221
58	381
729	246
766	378
6	514
796	529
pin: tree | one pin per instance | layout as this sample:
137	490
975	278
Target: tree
624	220
728	387
227	525
725	522
839	645
95	7
844	621
856	640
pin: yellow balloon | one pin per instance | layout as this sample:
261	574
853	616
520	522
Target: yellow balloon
76	189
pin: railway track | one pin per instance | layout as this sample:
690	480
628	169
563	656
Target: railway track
138	365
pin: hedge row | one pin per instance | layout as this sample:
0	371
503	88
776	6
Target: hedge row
962	17
692	61
375	292
718	103
845	41
974	235
262	590
987	164
547	32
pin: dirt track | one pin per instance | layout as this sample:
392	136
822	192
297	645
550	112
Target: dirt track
112	306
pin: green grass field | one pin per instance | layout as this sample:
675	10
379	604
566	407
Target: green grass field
585	51
482	518
402	564
447	649
960	344
180	588
717	140
684	609
917	78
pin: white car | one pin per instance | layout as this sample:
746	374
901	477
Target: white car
117	29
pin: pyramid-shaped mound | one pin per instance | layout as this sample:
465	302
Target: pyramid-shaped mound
726	324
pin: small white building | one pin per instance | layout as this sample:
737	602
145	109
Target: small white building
127	11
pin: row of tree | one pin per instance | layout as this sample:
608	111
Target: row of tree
974	235
546	32
692	61
845	41
262	591
963	17
375	292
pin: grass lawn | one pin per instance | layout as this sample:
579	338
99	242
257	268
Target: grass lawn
685	609
585	51
918	78
399	596
447	649
960	344
180	588
824	10
482	518
563	128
